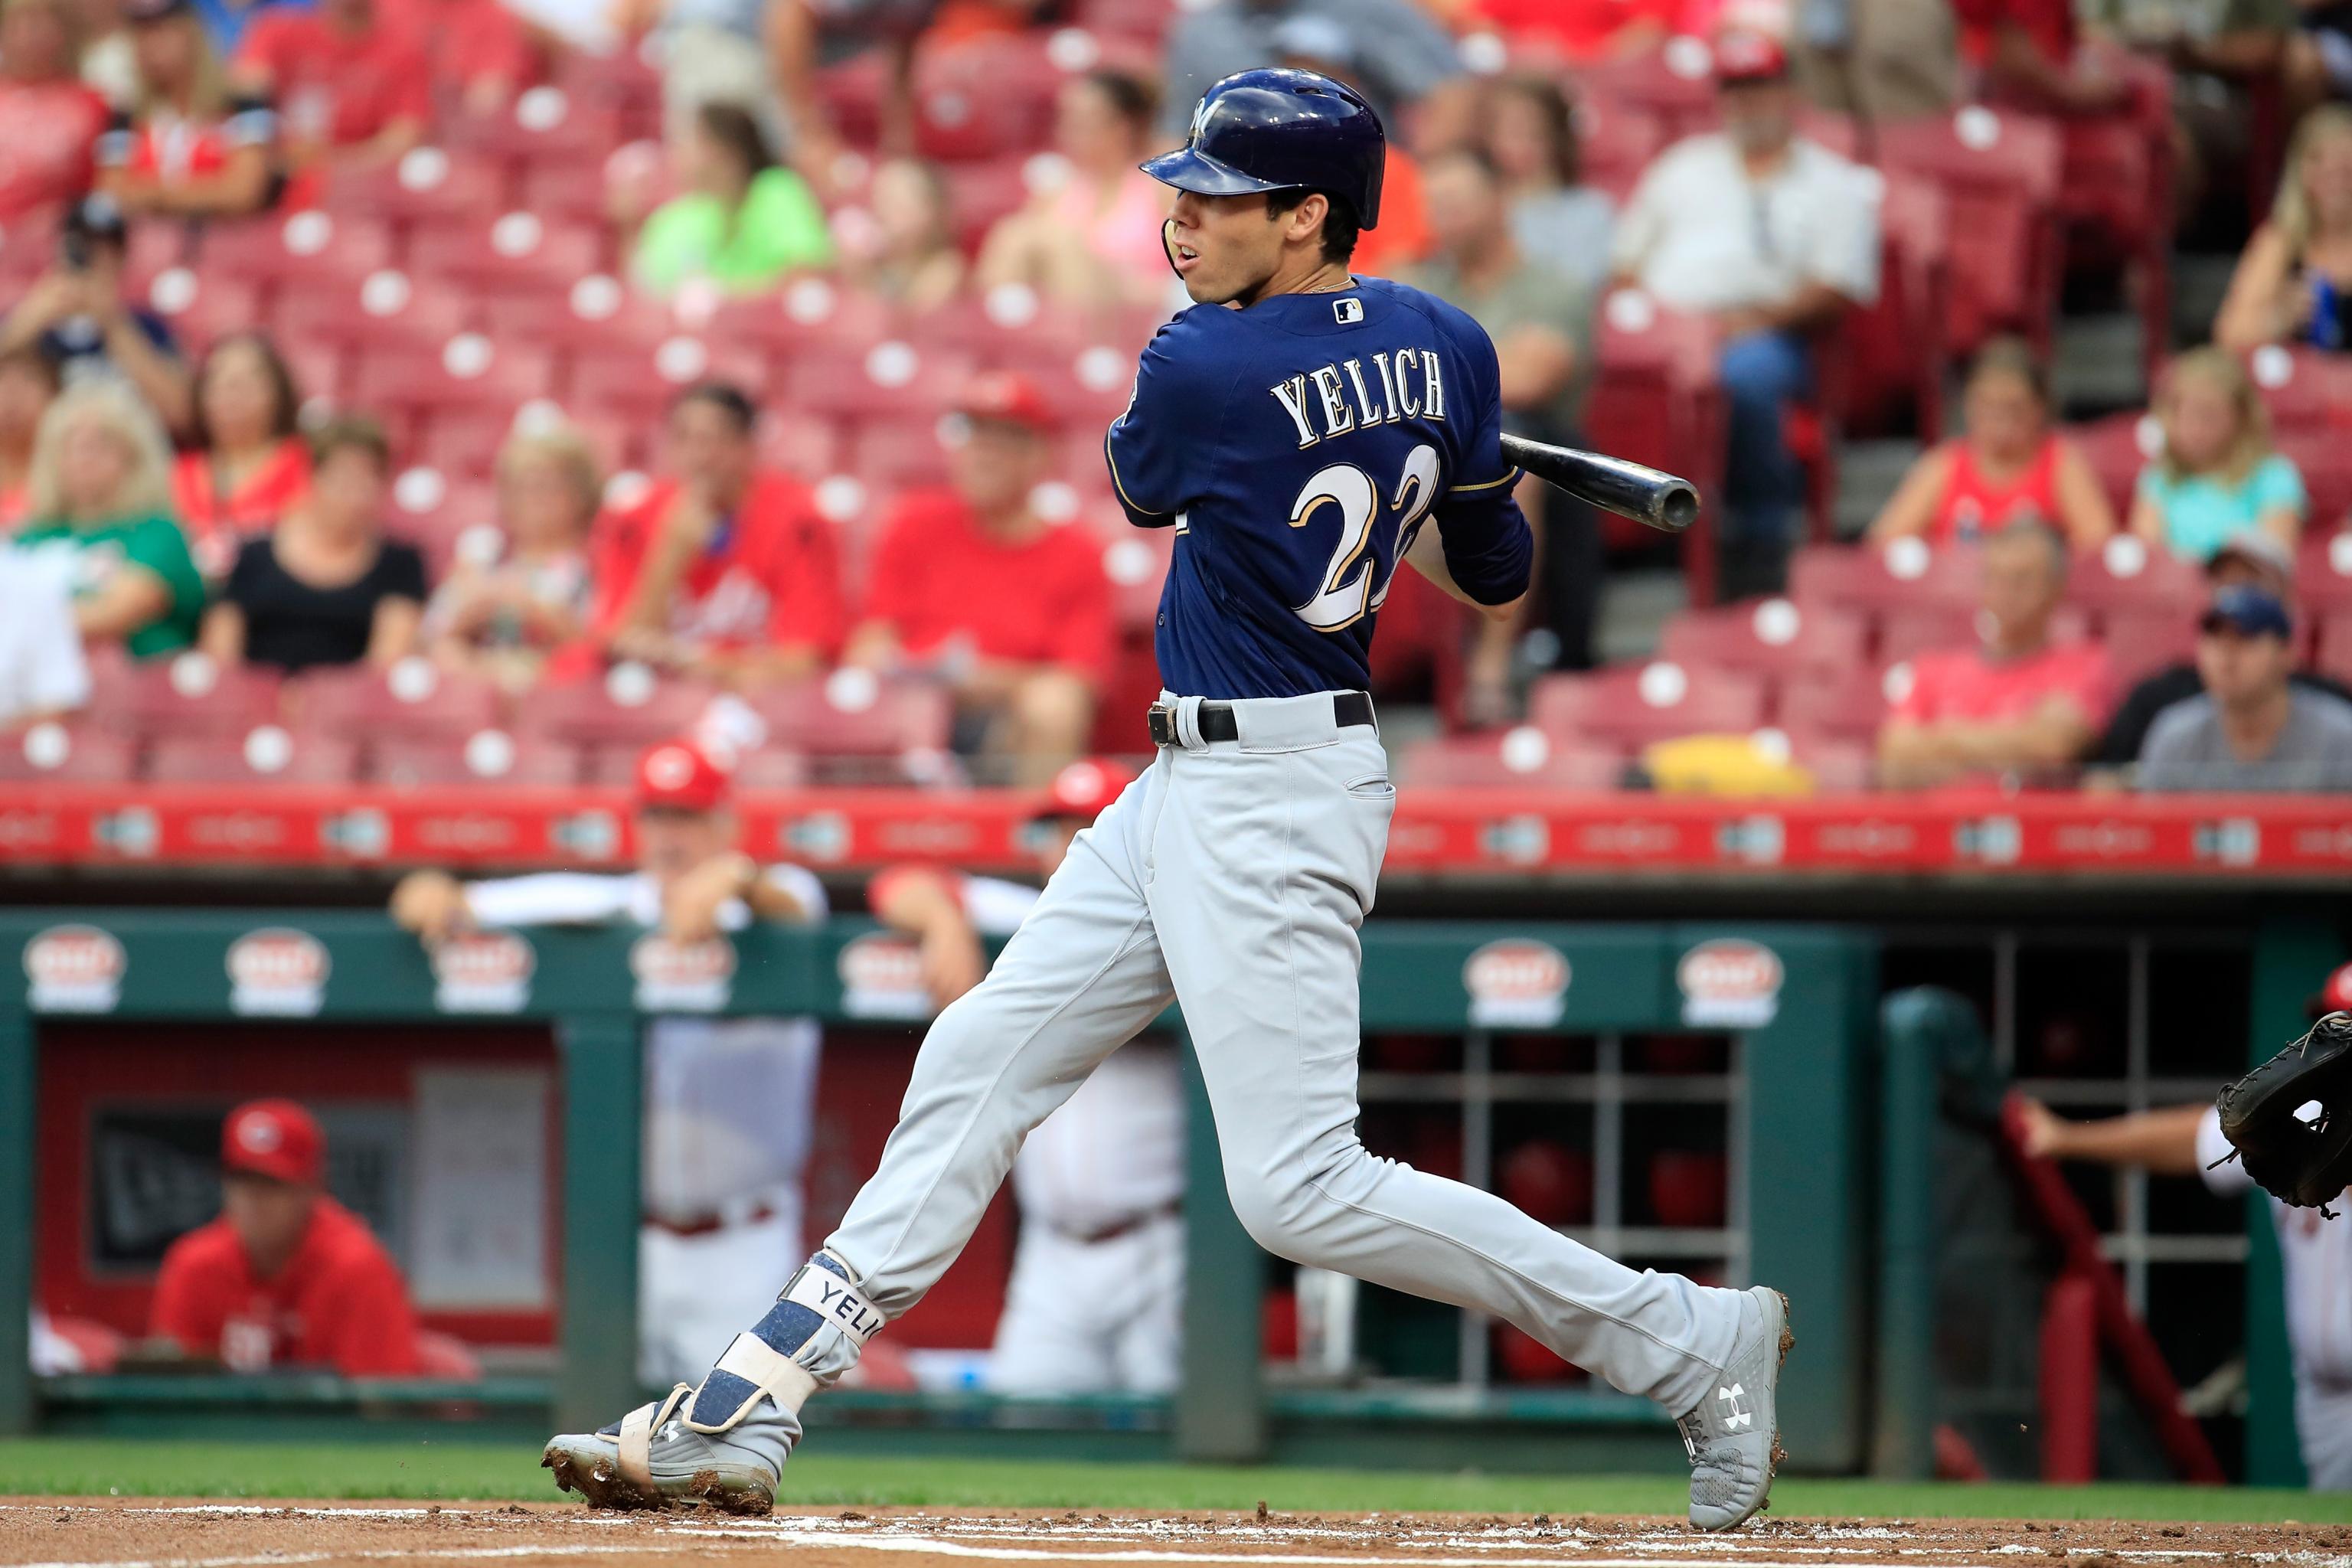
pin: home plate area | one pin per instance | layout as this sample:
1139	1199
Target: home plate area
128	1533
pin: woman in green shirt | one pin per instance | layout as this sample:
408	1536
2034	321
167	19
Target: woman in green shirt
101	482
744	223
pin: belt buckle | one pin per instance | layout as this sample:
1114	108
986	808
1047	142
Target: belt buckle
1160	720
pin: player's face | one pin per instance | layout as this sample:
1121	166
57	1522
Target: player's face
672	843
1226	247
268	1215
2237	669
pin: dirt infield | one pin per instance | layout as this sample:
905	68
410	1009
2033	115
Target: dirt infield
143	1534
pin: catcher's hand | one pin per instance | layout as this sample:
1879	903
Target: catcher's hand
2306	1161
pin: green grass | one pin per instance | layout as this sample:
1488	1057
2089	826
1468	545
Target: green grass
69	1466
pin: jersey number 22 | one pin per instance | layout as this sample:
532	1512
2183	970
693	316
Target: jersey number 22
1354	584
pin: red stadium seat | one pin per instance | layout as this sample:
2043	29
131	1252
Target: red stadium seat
470	372
2322	579
261	757
519	253
1771	636
1525	758
800	443
853	713
204	308
387	308
2334	651
76	752
1848	705
2303	388
1899	579
1630	706
983	98
891	380
982	194
807	314
304	246
900	454
413	700
1655	400
432	509
638	385
626	706
2117	449
2142	641
1616	139
2000	171
492	759
185	695
2327	469
428	184
2127	576
1674	85
1892	357
543	128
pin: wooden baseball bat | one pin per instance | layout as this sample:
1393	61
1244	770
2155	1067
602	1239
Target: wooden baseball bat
1646	494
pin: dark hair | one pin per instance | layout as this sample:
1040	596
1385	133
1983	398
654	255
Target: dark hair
727	397
1132	98
284	417
1559	113
737	129
351	433
1339	229
29	356
2012	355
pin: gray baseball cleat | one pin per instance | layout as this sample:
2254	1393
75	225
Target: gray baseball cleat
1734	1434
656	1457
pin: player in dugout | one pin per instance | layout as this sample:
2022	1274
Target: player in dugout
728	1102
286	1276
2315	1256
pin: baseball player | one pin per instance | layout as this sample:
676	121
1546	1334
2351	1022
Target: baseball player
728	1100
1097	1299
1304	432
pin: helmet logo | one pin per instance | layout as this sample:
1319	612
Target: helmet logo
1200	121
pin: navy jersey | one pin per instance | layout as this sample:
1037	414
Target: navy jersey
1296	446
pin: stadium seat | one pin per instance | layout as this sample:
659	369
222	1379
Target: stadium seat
467	372
2117	448
2335	646
187	694
1892	358
854	713
807	314
203	308
486	759
1769	636
1655	400
413	700
1674	85
2128	576
1616	141
1525	758
900	454
1846	705
985	98
891	380
80	751
519	253
2000	171
303	246
2303	388
637	385
428	184
386	310
2322	579
2327	469
264	756
543	128
626	706
2143	640
1896	580
1630	706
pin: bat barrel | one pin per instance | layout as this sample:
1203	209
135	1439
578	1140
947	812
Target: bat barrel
1648	495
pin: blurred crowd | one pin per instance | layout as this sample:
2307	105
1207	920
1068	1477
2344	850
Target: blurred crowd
734	344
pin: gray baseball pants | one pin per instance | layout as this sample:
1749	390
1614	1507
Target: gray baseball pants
1234	877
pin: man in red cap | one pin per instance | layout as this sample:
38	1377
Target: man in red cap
974	586
1096	1301
286	1276
728	1100
1775	237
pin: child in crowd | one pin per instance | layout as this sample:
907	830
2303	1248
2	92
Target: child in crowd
2218	474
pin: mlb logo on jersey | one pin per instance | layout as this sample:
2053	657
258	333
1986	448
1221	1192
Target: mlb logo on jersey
1349	310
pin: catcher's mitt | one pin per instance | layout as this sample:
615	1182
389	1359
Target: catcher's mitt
2306	1162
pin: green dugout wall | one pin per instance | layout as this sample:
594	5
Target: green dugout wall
1799	999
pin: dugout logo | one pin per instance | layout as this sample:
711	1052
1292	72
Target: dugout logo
682	977
277	973
882	977
1516	983
486	971
73	969
1729	983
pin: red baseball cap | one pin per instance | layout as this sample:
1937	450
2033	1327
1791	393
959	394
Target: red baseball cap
274	1138
1009	395
1083	787
2336	996
1745	55
679	775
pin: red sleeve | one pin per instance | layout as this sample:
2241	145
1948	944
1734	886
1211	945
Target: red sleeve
189	1309
487	44
804	578
1082	611
616	549
375	1330
412	99
893	576
2091	682
268	43
1926	699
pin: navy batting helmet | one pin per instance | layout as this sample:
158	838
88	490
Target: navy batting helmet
1275	128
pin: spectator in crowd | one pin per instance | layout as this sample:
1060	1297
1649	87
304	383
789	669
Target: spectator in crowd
1775	237
248	465
500	618
713	51
908	254
2293	282
478	47
2217	475
1397	50
1095	1304
325	587
1529	130
49	122
1320	44
2010	466
974	588
742	223
730	1102
1583	31
2018	701
286	1276
350	88
2253	557
2251	727
101	482
80	314
1093	239
29	384
725	571
1879	59
2024	51
187	146
1540	319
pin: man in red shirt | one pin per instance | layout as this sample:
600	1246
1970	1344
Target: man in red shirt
726	572
349	87
2016	702
973	586
286	1276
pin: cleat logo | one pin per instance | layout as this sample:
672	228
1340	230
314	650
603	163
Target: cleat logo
1734	1415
